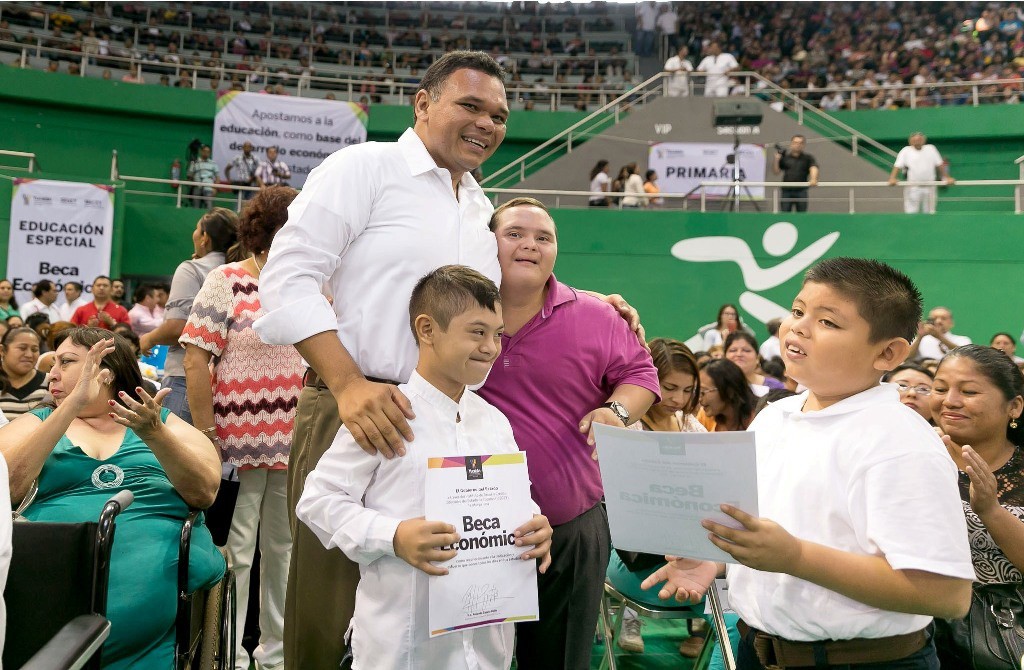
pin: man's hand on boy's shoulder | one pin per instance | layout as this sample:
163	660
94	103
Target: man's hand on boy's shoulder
761	544
377	416
685	579
419	543
536	533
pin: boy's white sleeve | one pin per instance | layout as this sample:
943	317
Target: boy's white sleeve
332	503
909	508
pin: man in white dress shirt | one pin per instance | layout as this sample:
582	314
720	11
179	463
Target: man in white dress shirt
372	508
407	208
44	295
73	299
680	67
717	65
922	163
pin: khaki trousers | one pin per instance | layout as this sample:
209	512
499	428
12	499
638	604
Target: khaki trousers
321	583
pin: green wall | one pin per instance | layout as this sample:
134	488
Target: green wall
973	265
970	264
979	143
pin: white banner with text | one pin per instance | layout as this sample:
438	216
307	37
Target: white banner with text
61	231
682	166
304	130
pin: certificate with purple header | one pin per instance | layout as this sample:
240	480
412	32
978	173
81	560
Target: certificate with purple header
486	498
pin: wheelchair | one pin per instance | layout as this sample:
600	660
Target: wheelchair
205	623
67	566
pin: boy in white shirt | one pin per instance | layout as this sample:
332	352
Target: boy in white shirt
372	508
863	538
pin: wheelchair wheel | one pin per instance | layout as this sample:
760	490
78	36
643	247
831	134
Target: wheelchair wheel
217	648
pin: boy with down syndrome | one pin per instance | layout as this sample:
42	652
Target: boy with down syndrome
372	508
863	538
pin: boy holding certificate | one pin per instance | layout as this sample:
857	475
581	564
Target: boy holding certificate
863	538
372	508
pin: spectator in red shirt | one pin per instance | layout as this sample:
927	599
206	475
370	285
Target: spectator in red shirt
102	312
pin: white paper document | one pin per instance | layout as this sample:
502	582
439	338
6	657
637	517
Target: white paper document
486	498
659	487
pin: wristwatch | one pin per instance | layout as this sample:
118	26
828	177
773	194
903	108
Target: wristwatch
620	411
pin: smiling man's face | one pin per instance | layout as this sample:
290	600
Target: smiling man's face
464	126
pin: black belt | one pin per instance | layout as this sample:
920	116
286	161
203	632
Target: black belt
311	378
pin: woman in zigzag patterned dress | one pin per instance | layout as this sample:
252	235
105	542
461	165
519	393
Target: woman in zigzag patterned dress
247	410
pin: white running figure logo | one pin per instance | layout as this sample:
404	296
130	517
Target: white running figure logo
779	239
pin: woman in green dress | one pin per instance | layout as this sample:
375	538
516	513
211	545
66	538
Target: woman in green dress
8	305
106	434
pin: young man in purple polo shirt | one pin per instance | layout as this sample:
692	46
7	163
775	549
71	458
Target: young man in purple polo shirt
567	361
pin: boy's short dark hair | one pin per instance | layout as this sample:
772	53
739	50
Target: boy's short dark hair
886	298
449	291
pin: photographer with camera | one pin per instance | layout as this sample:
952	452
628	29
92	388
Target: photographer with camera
246	165
796	165
934	339
272	172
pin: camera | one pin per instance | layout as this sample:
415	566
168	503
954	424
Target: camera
780	148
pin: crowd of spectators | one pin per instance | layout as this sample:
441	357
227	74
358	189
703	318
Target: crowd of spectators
184	45
893	55
892	52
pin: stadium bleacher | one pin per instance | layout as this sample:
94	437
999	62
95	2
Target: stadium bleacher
837	55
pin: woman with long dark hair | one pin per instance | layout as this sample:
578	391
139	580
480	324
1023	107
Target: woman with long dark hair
977	400
725	396
599	181
214	241
679	379
247	410
22	386
8	305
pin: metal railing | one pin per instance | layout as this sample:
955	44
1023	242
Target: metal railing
33	160
186	192
753	85
730	201
966	93
567	198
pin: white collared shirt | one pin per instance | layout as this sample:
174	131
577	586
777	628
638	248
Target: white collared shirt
920	164
354	501
371	221
36	305
67	309
930	346
868	476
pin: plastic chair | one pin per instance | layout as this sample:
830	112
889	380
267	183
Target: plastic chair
642	609
56	591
